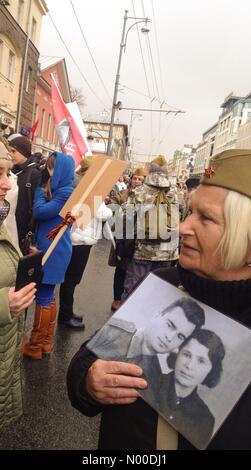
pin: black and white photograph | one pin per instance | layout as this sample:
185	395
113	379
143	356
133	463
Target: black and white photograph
195	359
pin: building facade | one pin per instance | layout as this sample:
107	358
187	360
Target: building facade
20	26
46	139
98	133
182	163
232	130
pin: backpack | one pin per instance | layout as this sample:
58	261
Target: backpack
155	221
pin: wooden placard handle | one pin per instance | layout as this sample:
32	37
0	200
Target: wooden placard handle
83	197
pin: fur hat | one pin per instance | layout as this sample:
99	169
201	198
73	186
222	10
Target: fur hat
230	169
140	171
4	154
22	145
85	164
159	165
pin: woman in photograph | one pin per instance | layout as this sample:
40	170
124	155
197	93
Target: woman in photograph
214	268
175	395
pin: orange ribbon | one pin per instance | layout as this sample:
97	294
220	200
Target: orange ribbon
68	220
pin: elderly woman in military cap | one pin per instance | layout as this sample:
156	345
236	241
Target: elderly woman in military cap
215	268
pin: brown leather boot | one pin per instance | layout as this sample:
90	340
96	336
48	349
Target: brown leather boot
33	348
47	344
115	305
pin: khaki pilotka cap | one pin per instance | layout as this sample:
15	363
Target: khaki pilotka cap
230	169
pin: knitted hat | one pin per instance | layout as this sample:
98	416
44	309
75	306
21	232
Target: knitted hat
85	164
159	165
230	169
13	136
22	145
140	171
4	154
192	182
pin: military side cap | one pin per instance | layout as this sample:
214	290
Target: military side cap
85	164
230	169
140	171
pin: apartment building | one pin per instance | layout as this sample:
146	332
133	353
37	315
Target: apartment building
98	133
20	26
46	139
232	130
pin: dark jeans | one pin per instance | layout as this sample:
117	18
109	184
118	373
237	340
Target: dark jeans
73	276
118	283
137	270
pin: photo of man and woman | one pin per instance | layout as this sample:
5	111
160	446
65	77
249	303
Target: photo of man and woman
188	352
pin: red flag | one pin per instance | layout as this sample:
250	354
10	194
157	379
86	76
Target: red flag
33	129
70	138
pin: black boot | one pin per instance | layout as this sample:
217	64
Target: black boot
72	323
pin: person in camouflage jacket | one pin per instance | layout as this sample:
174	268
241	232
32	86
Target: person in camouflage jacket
153	253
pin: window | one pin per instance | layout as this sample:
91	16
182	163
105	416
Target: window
20	12
42	123
28	78
49	128
11	64
36	112
33	29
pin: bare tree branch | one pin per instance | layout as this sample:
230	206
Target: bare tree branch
77	95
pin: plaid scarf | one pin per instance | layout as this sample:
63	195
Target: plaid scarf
4	211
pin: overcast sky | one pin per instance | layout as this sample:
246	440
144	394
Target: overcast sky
200	52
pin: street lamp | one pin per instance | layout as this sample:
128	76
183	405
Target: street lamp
122	47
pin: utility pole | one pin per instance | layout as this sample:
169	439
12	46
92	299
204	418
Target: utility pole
109	145
122	46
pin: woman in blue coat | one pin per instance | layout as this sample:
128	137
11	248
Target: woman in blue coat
49	200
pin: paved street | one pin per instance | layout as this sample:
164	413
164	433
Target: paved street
49	421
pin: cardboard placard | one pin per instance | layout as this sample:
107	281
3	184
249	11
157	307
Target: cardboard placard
97	182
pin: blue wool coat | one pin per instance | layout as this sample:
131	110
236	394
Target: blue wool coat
47	218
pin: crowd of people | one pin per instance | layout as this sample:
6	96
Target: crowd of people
184	232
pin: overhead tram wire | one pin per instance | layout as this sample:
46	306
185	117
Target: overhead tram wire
141	51
163	102
155	82
159	64
89	50
151	98
144	66
158	52
76	64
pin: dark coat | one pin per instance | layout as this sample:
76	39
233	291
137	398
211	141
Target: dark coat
139	428
27	173
47	216
190	415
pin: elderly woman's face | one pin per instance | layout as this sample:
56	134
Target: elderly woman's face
202	231
5	184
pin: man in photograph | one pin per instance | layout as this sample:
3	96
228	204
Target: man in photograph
120	339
